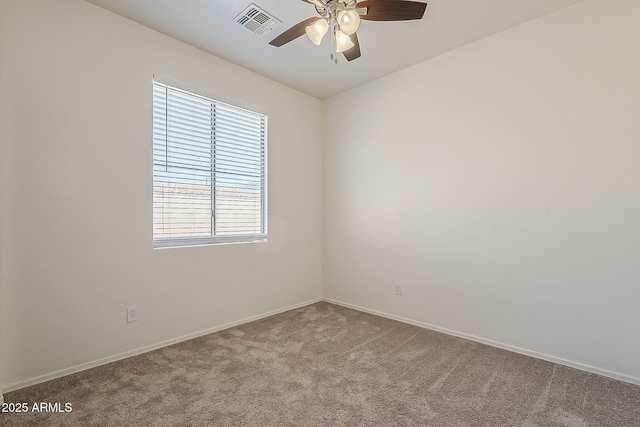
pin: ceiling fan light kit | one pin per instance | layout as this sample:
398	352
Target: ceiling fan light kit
317	30
343	41
349	21
345	16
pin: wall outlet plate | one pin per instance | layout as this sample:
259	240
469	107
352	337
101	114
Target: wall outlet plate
398	289
132	314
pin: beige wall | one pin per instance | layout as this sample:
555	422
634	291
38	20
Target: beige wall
76	193
500	185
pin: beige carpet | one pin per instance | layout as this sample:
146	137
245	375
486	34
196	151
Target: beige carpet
328	365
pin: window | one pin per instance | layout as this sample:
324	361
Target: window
209	180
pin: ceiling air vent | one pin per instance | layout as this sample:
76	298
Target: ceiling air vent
256	20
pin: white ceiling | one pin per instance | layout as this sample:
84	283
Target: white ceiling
386	46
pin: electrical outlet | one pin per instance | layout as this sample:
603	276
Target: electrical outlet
132	314
398	289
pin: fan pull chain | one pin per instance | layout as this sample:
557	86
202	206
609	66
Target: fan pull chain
334	46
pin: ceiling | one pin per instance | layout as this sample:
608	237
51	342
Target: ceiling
386	46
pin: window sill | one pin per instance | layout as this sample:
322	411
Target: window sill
207	241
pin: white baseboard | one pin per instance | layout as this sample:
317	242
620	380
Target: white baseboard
524	351
84	366
145	349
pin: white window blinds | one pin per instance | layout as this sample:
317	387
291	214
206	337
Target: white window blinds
209	171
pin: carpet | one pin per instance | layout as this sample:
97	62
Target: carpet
328	365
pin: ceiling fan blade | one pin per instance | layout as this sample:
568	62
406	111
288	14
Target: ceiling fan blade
354	52
392	10
292	33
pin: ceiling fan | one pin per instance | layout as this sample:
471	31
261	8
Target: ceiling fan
343	17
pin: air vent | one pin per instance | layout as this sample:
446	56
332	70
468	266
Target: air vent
256	20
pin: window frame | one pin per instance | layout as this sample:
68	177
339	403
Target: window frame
212	239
